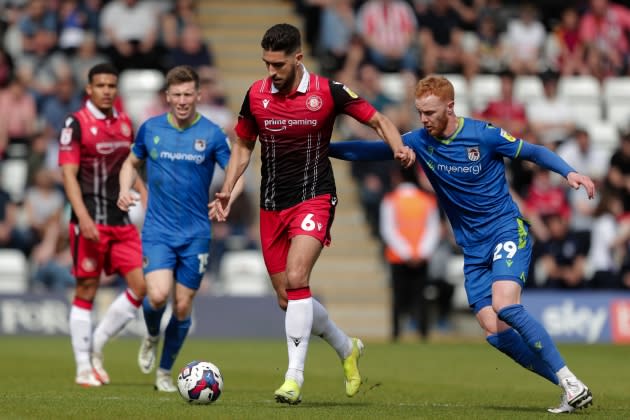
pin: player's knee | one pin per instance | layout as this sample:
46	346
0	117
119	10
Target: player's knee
182	309
297	277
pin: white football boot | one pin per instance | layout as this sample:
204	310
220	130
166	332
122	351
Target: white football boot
564	406
577	394
99	370
147	354
164	382
87	379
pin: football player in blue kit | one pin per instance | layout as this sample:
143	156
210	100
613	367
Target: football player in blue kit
180	148
463	160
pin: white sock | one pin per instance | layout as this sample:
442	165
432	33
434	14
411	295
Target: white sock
81	336
122	310
298	322
325	328
564	373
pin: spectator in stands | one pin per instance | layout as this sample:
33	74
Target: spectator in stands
389	30
84	58
130	29
72	24
488	53
336	35
441	40
550	117
525	40
564	255
173	22
18	117
618	177
607	242
92	11
568	53
11	236
506	111
39	19
6	68
603	30
190	50
43	208
212	103
580	152
409	225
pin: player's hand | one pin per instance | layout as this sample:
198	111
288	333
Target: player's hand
575	180
214	212
88	229
221	206
405	156
127	199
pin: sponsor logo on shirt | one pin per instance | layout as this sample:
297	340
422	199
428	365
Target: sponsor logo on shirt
274	124
507	136
265	103
459	169
350	92
188	157
109	147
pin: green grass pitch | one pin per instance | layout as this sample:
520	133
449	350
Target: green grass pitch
454	380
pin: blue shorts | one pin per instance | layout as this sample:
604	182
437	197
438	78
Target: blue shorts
188	262
505	256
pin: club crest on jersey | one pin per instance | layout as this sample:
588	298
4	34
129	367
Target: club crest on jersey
507	136
66	136
265	103
314	103
473	154
126	130
200	145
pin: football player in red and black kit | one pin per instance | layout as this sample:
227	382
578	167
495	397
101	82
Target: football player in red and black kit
93	145
292	113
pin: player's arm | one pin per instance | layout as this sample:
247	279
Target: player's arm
239	160
127	179
388	132
547	159
87	227
358	150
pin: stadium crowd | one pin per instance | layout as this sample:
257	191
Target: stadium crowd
580	243
47	46
46	49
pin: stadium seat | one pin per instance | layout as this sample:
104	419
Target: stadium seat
13	272
618	113
243	273
483	88
14	176
585	111
579	89
138	88
528	88
462	94
616	89
603	134
393	86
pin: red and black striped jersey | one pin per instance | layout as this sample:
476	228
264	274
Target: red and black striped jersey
98	145
294	132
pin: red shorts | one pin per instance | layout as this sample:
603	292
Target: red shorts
118	250
312	217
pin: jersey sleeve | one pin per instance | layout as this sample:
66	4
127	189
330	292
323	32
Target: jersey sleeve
70	142
222	148
139	146
360	150
246	126
501	141
348	102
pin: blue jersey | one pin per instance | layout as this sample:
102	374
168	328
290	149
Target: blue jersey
467	172
180	165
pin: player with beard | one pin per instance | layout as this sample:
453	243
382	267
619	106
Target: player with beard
292	112
463	160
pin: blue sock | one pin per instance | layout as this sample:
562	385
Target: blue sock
152	317
534	335
174	336
512	344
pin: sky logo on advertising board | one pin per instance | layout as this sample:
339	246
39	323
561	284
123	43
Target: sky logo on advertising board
620	320
569	319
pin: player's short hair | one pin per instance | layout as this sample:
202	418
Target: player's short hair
282	37
436	85
182	74
102	68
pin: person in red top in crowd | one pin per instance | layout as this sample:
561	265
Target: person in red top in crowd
506	111
92	148
292	113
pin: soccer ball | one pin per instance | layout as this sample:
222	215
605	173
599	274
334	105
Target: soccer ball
200	382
